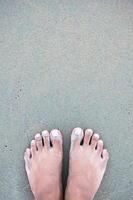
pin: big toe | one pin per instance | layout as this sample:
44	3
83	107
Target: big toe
56	139
76	137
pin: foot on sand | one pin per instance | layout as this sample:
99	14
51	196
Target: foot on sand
43	165
87	165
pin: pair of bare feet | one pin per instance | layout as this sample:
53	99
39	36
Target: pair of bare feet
87	165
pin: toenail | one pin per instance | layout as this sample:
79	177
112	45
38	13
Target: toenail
45	133
89	131
55	133
38	136
27	150
78	131
96	136
32	142
100	142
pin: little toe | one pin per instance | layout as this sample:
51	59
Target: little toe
94	140
46	139
76	137
33	147
100	146
27	156
105	155
56	139
38	140
88	135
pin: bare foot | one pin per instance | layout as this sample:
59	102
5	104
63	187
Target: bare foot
87	165
43	165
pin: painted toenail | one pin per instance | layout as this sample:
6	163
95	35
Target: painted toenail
78	131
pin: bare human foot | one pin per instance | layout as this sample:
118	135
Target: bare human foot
43	165
87	165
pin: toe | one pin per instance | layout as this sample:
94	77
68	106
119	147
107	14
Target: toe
88	135
27	156
56	139
46	139
38	141
105	155
94	140
100	146
76	137
33	147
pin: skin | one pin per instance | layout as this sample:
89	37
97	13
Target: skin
87	165
43	165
